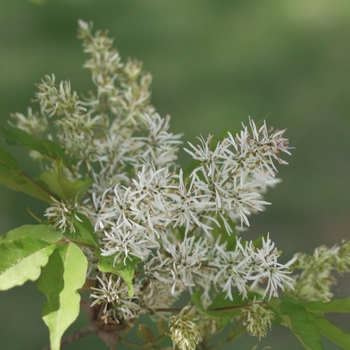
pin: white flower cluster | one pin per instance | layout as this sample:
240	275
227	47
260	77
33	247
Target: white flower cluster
184	332
112	295
256	265
142	205
258	320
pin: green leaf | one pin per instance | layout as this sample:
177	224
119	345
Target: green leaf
12	176
274	303
335	305
63	275
126	272
18	137
297	319
84	231
58	183
331	331
8	164
24	251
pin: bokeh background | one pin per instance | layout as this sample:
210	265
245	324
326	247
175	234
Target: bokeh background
214	64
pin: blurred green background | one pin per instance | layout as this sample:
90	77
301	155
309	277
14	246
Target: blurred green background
214	63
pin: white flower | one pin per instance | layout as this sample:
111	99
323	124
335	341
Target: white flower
247	264
160	147
184	332
235	172
185	258
264	267
61	213
121	240
112	293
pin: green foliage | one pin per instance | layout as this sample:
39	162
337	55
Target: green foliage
60	279
31	251
12	176
84	231
331	331
58	183
297	319
335	305
8	164
18	137
307	322
24	251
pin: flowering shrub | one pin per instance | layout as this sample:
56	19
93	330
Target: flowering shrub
125	222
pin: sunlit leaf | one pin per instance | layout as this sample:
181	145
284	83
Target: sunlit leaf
58	183
23	252
63	275
18	137
125	271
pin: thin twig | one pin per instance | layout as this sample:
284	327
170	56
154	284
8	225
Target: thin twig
169	309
